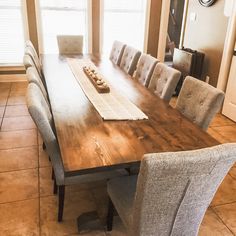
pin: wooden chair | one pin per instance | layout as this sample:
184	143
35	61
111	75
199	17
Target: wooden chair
172	191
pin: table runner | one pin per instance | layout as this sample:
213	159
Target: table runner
112	105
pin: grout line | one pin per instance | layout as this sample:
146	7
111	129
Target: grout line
221	220
17	170
5	105
22	200
223	204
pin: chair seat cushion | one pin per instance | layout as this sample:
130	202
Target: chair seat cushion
122	193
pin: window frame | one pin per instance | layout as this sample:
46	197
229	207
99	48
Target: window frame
18	66
40	29
146	25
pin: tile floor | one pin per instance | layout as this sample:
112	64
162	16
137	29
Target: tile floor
27	205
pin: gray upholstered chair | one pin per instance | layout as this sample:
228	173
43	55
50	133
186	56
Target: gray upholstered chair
164	81
129	60
172	191
33	77
199	101
145	67
70	44
40	113
34	53
36	62
117	52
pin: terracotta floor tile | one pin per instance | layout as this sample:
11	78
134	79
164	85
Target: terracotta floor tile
13	111
19	88
227	132
17	139
40	140
221	120
20	218
232	172
46	182
75	204
17	123
226	192
212	225
228	214
18	185
16	100
216	135
3	99
43	158
2	109
18	159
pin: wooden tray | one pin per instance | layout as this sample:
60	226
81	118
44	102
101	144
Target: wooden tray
96	80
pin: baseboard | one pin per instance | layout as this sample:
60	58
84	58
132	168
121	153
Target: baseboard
13	78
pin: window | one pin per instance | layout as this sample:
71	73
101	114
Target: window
62	17
124	21
12	34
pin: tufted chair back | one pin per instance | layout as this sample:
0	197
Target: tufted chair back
29	44
33	77
129	60
35	59
164	81
70	44
117	52
175	189
145	67
41	114
199	101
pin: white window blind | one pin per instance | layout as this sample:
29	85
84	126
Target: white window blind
63	17
12	36
125	21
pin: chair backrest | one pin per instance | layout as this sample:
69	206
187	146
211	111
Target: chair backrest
199	101
117	52
35	59
33	77
129	60
70	44
145	67
164	81
29	44
175	189
42	117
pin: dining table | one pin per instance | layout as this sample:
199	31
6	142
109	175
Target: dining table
88	143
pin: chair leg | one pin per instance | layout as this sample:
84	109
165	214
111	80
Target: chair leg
44	146
110	215
55	187
53	176
61	202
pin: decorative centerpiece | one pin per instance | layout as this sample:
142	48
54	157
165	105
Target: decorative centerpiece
96	79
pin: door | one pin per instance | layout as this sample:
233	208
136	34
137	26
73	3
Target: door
229	108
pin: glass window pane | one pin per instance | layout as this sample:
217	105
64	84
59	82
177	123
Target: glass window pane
11	32
124	21
63	17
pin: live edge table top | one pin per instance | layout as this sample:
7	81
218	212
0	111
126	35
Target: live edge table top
88	143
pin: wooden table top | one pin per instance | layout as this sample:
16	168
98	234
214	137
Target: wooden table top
88	143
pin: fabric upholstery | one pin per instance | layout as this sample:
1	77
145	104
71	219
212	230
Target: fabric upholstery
129	60
145	69
35	59
40	113
173	190
164	81
33	77
117	52
29	44
199	101
70	44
